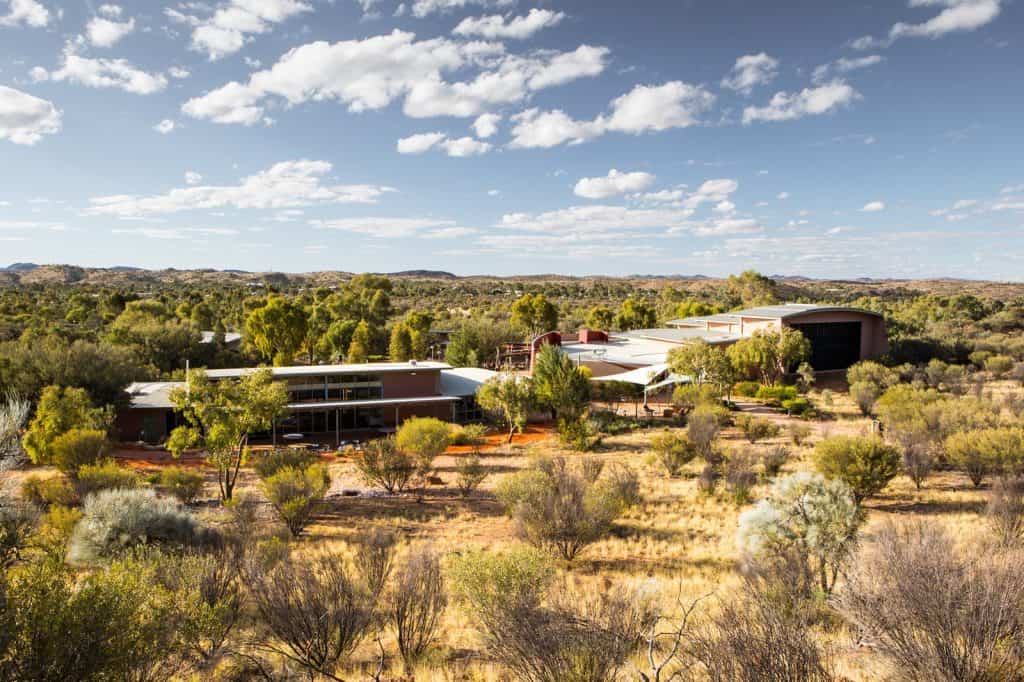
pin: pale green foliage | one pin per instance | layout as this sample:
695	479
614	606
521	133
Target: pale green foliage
757	428
768	355
60	410
636	314
416	604
509	397
361	343
806	525
105	475
600	317
534	314
871	372
295	494
703	363
999	365
76	448
424	438
210	598
559	385
400	346
517	578
184	484
43	492
381	463
116	520
983	452
277	329
865	464
267	464
865	394
220	415
672	451
470	473
468	434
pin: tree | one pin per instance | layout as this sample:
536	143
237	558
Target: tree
424	438
335	341
400	348
865	394
703	363
60	410
694	308
865	464
277	330
296	493
78	447
805	528
381	463
559	385
219	416
751	288
600	317
359	346
509	396
769	355
636	314
154	335
534	314
983	452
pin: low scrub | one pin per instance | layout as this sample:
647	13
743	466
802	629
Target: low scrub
381	463
756	428
295	494
184	484
44	492
776	395
671	452
266	465
106	475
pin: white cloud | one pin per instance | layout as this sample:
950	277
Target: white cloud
645	108
178	72
392	228
613	184
873	207
494	192
1012	189
104	73
287	184
24	119
665	196
964	203
232	23
516	28
165	126
192	178
785	106
110	11
782	195
750	71
423	8
177	233
725	207
103	32
724	226
27	12
372	73
460	147
486	125
957	15
844	65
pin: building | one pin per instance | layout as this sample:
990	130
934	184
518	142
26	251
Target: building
329	401
839	337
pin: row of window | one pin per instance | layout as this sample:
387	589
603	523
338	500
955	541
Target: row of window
321	395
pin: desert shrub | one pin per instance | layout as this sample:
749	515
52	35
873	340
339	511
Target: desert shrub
746	389
489	582
688	397
59	410
210	598
14	413
798	407
918	463
933	612
424	438
16	525
983	452
740	476
672	451
416	605
757	428
296	494
865	395
118	519
184	484
316	611
561	508
268	464
1005	510
775	395
799	433
105	475
826	397
578	433
999	365
702	427
468	434
611	423
44	492
805	527
865	464
707	480
469	474
381	463
374	559
76	448
773	459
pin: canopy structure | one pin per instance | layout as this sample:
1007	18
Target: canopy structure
651	378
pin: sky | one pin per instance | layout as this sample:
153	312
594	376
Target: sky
825	139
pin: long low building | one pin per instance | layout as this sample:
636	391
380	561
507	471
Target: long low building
839	337
329	400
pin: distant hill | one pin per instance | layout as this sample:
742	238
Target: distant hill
21	267
430	274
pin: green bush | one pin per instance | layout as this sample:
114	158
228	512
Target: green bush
865	394
76	448
105	475
799	433
469	434
798	407
381	463
184	484
756	428
119	519
746	389
491	582
44	492
470	474
268	464
295	494
999	365
866	465
775	395
672	451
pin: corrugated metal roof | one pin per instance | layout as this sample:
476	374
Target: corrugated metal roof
375	402
464	381
315	370
770	312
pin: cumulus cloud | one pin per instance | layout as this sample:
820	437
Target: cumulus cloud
646	108
287	184
459	147
372	73
391	228
515	28
192	178
103	32
25	12
486	125
613	184
844	65
957	15
103	73
423	8
873	207
751	70
165	126
24	119
231	24
785	106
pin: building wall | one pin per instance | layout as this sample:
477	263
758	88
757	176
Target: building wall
149	425
418	385
873	339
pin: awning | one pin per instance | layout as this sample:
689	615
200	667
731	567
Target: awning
641	376
379	402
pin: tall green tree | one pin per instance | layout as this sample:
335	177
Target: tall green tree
334	344
703	363
400	348
59	411
636	314
509	397
359	347
534	314
769	355
155	335
600	317
277	330
559	385
221	415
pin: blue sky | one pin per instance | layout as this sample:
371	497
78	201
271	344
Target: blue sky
504	137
